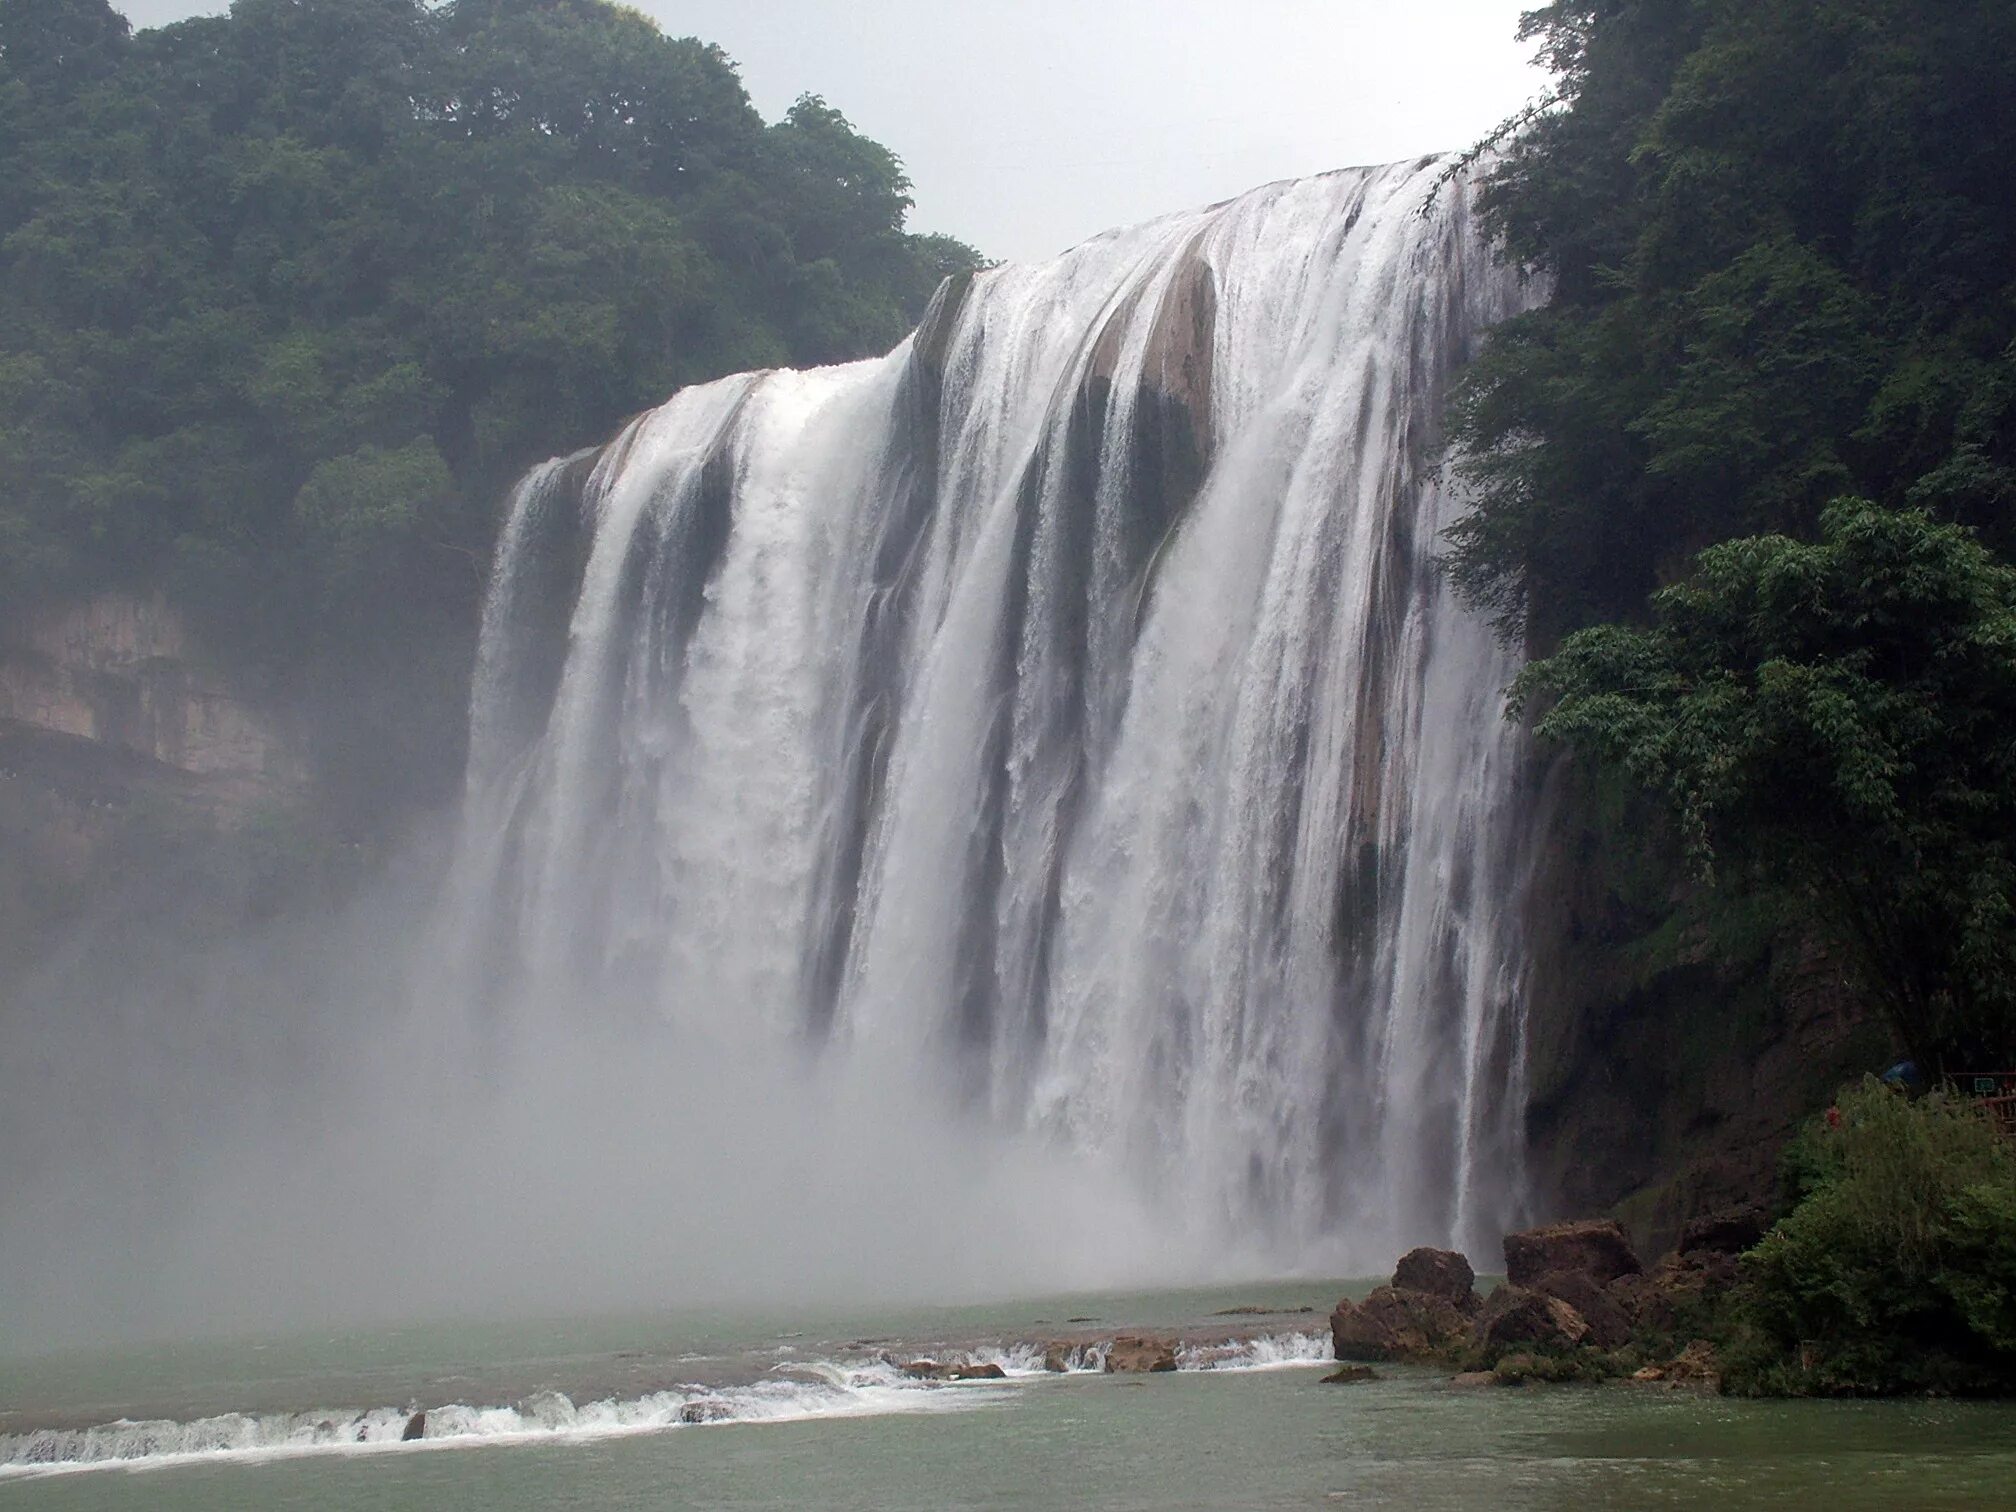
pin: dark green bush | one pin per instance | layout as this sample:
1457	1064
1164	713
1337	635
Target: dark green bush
1896	1271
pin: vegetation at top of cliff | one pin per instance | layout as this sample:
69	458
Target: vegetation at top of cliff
1782	253
1896	1270
287	297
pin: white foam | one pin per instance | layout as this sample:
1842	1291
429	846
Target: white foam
822	1389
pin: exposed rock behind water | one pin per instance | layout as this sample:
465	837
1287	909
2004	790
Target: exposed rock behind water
1515	1317
1610	1323
1439	1273
1595	1247
1396	1324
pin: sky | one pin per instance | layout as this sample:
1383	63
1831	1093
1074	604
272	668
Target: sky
1029	125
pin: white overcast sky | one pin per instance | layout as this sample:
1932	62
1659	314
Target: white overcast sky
1028	125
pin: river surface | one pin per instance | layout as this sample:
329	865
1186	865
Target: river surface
597	1414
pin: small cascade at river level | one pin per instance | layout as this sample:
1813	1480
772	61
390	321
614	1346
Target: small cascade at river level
1064	711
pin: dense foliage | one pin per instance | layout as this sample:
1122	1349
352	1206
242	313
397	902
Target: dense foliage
1896	1269
1782	253
287	296
1834	719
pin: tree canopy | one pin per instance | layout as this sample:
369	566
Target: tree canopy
1756	460
287	296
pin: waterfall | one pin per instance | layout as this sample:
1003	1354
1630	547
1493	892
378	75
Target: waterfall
1064	709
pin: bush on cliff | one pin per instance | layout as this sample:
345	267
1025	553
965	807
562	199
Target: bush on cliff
1896	1270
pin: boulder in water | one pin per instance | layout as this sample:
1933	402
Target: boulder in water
1610	1323
1394	1324
1351	1375
1057	1355
1514	1317
1439	1273
1140	1354
1595	1246
416	1427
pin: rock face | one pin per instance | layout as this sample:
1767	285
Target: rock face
1438	1273
1140	1354
1596	1248
1610	1322
1396	1324
1514	1317
121	671
1695	1366
1728	1232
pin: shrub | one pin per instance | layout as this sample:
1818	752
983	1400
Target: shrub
1896	1271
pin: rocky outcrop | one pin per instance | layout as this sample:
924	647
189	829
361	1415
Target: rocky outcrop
1662	1094
1596	1248
1396	1324
1515	1318
1438	1273
1729	1231
1140	1354
121	671
1696	1366
1610	1322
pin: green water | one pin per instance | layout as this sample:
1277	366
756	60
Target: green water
1235	1439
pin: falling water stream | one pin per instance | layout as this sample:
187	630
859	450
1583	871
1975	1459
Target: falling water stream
1064	710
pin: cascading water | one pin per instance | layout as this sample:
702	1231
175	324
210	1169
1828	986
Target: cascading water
1064	710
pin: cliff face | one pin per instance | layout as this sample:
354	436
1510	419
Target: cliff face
117	737
121	673
1661	1086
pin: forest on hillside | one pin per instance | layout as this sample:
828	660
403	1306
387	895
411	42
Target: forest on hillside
288	296
1747	483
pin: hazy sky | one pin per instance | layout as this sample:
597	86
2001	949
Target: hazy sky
1028	125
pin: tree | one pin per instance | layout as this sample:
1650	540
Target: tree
1782	257
1837	720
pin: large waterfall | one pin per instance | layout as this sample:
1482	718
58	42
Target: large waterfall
1062	713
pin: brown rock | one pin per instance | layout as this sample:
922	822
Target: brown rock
1695	1366
1514	1317
1057	1355
1392	1324
1439	1273
1728	1232
1596	1247
1350	1375
987	1371
1140	1354
1470	1379
1610	1326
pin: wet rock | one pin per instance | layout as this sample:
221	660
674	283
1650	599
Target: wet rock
1395	1324
416	1427
1514	1317
1351	1375
1439	1273
1610	1323
1728	1232
1057	1355
1696	1366
1140	1354
1676	1293
1596	1247
987	1371
1469	1380
927	1370
705	1411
